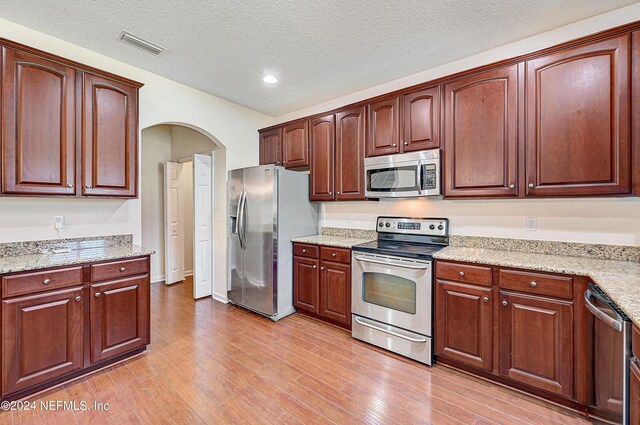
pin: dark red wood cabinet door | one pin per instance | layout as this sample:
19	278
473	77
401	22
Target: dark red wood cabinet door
634	394
635	121
536	342
335	292
481	137
578	120
119	316
109	138
349	166
42	338
295	144
38	125
421	120
271	146
322	138
306	289
464	323
383	136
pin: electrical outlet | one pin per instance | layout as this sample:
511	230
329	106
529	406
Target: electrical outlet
348	218
531	224
58	221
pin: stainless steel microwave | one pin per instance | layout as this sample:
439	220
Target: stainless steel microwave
403	176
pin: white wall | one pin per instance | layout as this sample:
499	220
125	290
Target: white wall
610	220
161	101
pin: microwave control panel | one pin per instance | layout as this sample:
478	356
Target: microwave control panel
429	177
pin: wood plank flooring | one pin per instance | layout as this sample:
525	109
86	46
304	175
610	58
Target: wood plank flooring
211	363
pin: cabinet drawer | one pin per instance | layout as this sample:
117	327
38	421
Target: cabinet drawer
339	255
464	273
117	269
535	283
26	283
306	250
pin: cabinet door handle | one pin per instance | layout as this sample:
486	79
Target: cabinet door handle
338	193
46	281
485	299
322	268
122	269
69	185
333	254
394	145
534	284
304	250
88	186
330	193
315	267
406	143
97	295
512	186
505	303
461	274
78	298
531	185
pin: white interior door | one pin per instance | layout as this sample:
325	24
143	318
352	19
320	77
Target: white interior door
202	223
173	231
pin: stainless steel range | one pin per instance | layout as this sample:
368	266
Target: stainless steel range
392	285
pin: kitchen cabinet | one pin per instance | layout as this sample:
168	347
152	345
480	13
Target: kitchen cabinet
421	120
536	342
464	323
480	136
383	134
109	138
67	129
349	154
322	283
42	338
634	394
635	108
60	323
322	141
270	146
119	319
578	138
38	125
295	144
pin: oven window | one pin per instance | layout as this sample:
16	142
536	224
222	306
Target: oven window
395	179
386	290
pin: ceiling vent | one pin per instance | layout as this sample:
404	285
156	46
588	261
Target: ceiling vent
134	40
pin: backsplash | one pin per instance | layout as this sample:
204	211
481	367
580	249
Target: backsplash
349	233
9	249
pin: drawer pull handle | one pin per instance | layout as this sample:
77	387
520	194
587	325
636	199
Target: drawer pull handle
505	303
78	298
333	254
46	281
97	295
304	250
534	284
461	274
122	269
485	299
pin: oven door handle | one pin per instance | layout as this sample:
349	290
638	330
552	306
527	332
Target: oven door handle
392	263
387	331
601	315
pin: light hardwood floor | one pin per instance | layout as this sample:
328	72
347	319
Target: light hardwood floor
217	364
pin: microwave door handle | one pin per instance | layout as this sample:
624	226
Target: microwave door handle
420	178
601	315
392	263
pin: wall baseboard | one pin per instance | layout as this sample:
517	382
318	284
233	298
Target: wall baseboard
157	279
188	273
220	298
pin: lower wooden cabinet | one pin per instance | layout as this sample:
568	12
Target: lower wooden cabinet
634	394
322	288
464	323
42	338
536	342
119	312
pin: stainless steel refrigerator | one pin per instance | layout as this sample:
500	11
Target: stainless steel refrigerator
268	206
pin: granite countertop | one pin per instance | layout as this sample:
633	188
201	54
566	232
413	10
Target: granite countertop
620	280
329	240
24	262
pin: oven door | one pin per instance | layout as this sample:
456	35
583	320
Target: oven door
392	290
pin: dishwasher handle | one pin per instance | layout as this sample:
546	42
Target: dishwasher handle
601	315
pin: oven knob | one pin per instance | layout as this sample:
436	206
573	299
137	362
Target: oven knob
380	224
432	226
440	227
387	224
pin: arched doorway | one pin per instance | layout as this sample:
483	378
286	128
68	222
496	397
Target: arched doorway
177	143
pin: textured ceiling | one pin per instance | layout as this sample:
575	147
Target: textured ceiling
319	50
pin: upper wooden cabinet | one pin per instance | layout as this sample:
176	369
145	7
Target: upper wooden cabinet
421	120
65	127
38	125
322	138
295	144
578	120
481	137
350	146
109	138
383	134
271	146
635	118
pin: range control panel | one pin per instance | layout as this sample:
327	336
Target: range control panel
413	226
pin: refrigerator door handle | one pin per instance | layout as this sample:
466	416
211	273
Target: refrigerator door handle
236	227
241	220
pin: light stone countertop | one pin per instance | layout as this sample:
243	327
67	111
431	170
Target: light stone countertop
620	280
17	263
337	241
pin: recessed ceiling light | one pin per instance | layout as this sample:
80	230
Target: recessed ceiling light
270	79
